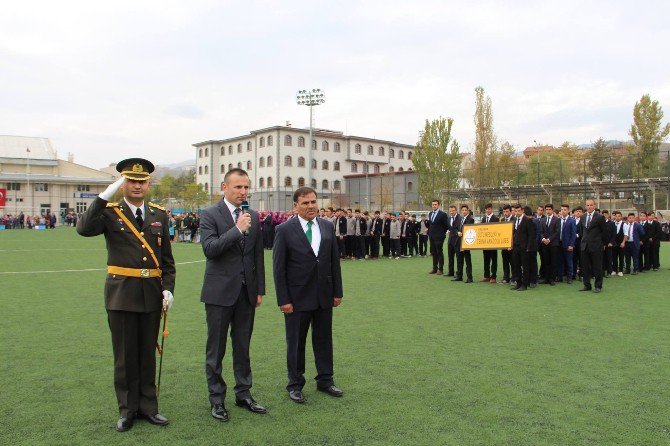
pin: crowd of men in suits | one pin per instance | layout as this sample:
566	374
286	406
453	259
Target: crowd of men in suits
580	243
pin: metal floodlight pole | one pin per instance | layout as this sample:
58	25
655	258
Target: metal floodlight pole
311	97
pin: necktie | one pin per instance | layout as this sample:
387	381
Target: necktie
308	233
138	217
560	235
548	221
432	216
237	214
630	232
588	220
516	224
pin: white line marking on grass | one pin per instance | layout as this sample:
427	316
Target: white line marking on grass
80	270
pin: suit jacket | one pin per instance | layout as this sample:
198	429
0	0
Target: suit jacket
124	249
493	219
655	231
593	237
525	238
569	233
439	225
227	264
611	231
638	234
341	228
386	227
551	232
376	226
454	240
301	278
618	235
464	221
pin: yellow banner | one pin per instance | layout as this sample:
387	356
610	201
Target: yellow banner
488	236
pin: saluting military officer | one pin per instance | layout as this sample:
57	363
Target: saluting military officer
140	281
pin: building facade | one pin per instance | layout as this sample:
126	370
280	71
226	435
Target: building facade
37	182
277	159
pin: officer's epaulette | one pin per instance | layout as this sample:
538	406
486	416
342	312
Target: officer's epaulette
112	205
154	205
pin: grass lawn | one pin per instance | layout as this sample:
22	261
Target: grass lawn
422	360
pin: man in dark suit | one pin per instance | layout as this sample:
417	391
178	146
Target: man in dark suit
437	232
633	234
140	281
567	236
463	255
655	231
308	283
618	252
490	255
645	260
593	235
608	269
233	287
453	223
375	233
341	232
386	235
524	248
550	244
506	254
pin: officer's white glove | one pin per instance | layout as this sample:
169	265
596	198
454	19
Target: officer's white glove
108	193
168	298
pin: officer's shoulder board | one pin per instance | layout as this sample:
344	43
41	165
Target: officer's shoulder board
112	205
154	205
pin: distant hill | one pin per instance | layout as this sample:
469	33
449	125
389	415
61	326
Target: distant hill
174	169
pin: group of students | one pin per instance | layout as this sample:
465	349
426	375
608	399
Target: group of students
582	242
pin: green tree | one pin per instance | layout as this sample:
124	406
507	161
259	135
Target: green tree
599	160
648	133
549	167
484	156
194	196
436	160
507	169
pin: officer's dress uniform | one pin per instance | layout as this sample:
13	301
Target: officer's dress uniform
133	296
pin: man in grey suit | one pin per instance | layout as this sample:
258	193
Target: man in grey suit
308	283
233	287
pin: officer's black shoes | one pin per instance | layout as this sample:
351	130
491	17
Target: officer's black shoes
219	412
158	419
296	396
125	424
331	390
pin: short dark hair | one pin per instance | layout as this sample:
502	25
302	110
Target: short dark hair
605	212
507	207
301	192
643	212
235	171
631	214
358	210
435	200
488	206
549	206
565	206
465	206
527	211
322	209
452	206
376	212
516	206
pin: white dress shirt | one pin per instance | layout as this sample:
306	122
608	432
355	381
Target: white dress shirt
316	233
231	209
134	208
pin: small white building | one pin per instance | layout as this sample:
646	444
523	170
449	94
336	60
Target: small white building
277	159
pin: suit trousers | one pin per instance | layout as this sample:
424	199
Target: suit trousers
451	254
297	325
655	253
607	260
437	251
240	318
386	246
134	338
350	242
618	255
592	266
506	264
565	265
374	246
550	262
412	245
360	246
403	246
490	263
341	246
423	244
520	266
464	256
632	252
395	247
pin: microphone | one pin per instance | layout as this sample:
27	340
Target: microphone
245	209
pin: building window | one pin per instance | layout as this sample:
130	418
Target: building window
410	186
337	147
354	167
314	164
365	167
409	169
248	165
409	155
230	166
223	150
301	182
223	168
80	207
206	170
200	153
239	148
269	165
400	169
371	150
288	161
313	184
336	165
401	155
314	144
13	186
390	168
262	141
261	162
301	162
206	152
200	170
288	141
391	153
357	149
288	182
269	140
376	168
83	188
261	182
381	151
269	181
230	149
249	146
325	146
324	165
336	185
324	184
301	141
239	165
207	187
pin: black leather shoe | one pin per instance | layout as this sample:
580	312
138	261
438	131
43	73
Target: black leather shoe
124	424
296	396
533	285
542	282
521	288
596	290
158	419
331	390
457	279
219	412
586	289
468	281
251	404
552	283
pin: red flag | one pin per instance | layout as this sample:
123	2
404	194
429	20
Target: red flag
3	194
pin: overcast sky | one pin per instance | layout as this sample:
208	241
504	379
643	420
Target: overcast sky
108	80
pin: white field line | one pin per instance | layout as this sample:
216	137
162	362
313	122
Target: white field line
80	270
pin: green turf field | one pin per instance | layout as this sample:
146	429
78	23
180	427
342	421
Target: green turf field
422	360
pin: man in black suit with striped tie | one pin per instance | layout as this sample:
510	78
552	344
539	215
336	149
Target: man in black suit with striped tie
437	232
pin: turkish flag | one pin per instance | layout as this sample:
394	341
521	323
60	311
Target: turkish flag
3	194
